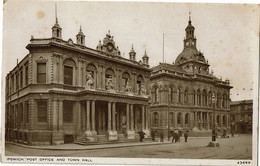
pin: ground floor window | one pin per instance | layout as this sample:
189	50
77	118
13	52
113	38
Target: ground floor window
42	110
68	111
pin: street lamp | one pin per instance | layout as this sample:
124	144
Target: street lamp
214	125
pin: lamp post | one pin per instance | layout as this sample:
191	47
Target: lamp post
214	124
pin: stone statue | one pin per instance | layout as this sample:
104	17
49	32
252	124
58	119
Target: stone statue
143	90
90	81
128	87
109	83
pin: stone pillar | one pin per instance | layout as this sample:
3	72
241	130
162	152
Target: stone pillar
175	119
88	114
196	118
79	115
93	109
132	117
127	117
130	122
114	116
195	95
109	116
60	128
55	115
146	118
143	119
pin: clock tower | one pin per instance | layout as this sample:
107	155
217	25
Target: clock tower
190	40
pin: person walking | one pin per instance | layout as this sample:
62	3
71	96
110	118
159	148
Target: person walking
141	135
186	136
161	136
179	136
173	136
176	136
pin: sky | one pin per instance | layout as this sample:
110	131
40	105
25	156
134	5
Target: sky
227	34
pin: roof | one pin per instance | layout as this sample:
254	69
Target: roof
190	53
241	102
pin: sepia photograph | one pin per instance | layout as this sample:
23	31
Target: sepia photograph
88	82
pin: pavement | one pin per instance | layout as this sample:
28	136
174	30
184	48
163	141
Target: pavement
239	147
73	146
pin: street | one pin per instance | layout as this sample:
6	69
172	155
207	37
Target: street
239	147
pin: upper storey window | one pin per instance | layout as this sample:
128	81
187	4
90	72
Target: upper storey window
171	94
69	66
156	95
41	73
68	75
140	85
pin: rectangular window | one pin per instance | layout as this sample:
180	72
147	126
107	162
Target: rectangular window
41	73
26	105
17	81
42	111
68	75
21	78
67	111
26	75
21	113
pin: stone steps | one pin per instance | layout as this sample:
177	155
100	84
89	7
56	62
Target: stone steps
102	139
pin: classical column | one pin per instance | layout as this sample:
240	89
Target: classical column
175	119
83	119
99	120
54	116
93	108
127	117
109	116
146	118
143	119
60	127
132	116
88	114
114	116
196	119
79	114
103	121
195	95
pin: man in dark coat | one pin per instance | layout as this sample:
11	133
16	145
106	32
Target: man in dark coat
141	135
161	136
173	136
186	136
176	136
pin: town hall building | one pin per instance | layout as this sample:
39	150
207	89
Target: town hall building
183	94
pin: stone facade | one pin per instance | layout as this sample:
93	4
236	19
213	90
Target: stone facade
182	94
241	116
64	92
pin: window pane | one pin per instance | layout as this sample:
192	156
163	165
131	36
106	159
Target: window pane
68	75
41	72
68	111
42	111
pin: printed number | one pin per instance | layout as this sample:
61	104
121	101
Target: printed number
243	162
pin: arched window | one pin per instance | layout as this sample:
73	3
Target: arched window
204	97
224	120
223	101
69	67
179	118
194	97
186	96
210	98
126	85
198	97
171	118
170	94
187	118
179	95
156	95
156	118
139	83
218	119
218	100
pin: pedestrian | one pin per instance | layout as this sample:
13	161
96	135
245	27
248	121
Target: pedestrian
179	136
186	136
153	135
161	136
173	136
141	135
176	136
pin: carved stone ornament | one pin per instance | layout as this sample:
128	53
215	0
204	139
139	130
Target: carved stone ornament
109	83
90	81
41	60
